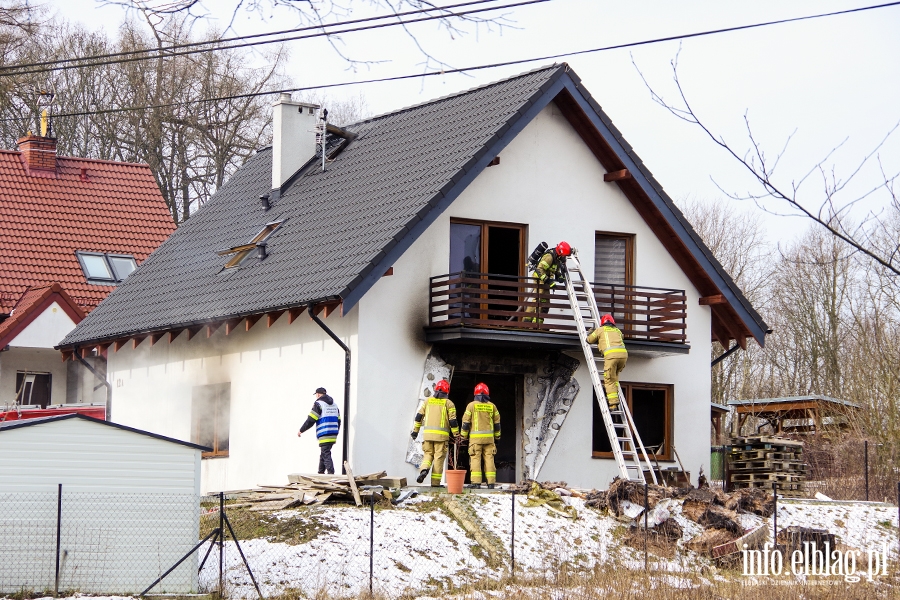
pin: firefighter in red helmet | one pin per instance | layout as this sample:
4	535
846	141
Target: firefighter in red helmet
438	414
481	426
612	348
546	272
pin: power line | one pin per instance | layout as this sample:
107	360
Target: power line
160	50
473	68
217	48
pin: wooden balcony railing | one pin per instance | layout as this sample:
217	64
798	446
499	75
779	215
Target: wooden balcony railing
484	300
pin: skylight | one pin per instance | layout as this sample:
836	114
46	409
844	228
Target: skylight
106	269
244	250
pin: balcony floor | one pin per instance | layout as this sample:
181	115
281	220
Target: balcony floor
540	340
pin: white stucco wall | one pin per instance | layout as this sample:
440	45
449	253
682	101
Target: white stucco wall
548	179
46	330
273	374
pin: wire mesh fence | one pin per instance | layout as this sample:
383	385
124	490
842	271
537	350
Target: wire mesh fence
435	545
95	542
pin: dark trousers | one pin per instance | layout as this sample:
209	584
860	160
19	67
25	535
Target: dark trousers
326	465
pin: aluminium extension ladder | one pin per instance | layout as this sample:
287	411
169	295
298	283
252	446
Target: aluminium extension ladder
620	427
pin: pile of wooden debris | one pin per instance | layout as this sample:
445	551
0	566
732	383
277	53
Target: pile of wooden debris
318	489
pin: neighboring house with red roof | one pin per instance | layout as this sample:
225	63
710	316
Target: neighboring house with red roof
72	229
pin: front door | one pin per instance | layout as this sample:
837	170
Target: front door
505	392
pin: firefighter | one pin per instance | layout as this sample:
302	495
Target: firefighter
327	419
438	415
546	272
612	348
481	426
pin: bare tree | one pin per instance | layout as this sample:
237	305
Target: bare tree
835	201
319	13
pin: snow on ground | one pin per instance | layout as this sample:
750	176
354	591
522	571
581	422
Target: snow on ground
419	548
860	525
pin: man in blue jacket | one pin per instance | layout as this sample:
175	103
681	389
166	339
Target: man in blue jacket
327	419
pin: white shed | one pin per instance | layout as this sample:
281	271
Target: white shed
124	501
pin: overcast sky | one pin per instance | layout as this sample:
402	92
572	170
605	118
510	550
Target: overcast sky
830	79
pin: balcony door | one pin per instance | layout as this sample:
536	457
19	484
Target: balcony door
613	272
495	250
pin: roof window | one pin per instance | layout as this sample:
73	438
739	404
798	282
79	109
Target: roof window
242	252
106	269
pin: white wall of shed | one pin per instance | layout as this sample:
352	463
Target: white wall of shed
548	179
46	330
92	457
273	374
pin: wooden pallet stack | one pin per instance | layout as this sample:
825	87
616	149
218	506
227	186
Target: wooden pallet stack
758	461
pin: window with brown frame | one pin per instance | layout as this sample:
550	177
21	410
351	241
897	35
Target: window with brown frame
211	417
651	406
614	258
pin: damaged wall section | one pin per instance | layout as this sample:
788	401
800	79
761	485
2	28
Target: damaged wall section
549	391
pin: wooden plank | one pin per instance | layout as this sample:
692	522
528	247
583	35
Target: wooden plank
175	334
251	321
136	341
272	317
211	328
619	175
192	331
85	352
155	337
710	300
352	483
231	325
118	344
67	355
329	308
294	313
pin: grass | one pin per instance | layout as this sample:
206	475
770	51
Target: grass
294	530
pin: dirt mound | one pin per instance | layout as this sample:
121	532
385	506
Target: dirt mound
623	489
753	500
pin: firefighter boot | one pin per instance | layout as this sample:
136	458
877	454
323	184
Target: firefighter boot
422	475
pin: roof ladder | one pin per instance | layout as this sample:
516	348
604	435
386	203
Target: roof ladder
620	428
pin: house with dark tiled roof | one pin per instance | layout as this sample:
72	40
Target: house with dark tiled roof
72	229
396	256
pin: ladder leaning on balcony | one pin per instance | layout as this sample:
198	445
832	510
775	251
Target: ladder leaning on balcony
620	427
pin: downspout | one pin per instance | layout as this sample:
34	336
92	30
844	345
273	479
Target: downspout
102	379
724	355
346	444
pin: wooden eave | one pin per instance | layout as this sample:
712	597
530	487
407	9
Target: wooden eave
725	319
229	326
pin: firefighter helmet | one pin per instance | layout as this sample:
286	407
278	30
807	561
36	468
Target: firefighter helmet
563	249
607	319
482	389
442	386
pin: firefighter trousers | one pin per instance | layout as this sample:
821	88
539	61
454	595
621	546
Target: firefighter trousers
434	455
476	452
611	369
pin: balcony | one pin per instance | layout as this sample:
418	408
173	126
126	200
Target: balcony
483	308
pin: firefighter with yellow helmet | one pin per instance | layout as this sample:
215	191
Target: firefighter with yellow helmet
481	426
438	416
612	348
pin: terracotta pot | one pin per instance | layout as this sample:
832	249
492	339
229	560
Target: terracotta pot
455	480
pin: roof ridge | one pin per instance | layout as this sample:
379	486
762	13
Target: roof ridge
456	94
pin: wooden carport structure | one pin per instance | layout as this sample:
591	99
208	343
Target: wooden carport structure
792	414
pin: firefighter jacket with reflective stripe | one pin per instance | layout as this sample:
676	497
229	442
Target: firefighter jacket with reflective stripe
545	271
609	341
438	418
481	421
327	419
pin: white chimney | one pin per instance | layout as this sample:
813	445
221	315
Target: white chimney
293	137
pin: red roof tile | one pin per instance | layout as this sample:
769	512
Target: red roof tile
115	207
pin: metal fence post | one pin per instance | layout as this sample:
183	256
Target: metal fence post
371	540
866	462
646	510
221	544
512	538
775	514
58	531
